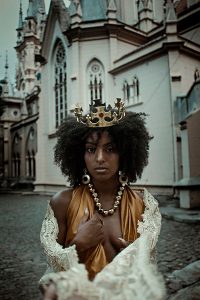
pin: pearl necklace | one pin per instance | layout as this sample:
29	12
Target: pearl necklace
98	204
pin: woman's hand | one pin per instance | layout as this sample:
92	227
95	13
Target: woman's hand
49	292
90	233
121	244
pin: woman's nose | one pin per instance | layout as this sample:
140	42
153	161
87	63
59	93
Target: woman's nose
99	155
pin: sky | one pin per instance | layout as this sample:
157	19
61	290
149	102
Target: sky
9	16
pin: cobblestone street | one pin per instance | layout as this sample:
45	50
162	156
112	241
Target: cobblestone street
22	261
178	246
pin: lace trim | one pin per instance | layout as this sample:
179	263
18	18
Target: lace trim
151	222
59	258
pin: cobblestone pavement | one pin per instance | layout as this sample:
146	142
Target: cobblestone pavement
21	258
22	261
178	246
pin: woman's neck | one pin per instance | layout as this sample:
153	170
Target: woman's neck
108	188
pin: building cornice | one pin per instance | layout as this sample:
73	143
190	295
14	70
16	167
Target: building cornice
25	122
13	100
102	30
153	49
28	39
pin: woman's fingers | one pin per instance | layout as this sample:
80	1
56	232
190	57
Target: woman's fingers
85	217
123	243
98	219
50	293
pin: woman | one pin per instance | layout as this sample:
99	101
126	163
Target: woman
89	225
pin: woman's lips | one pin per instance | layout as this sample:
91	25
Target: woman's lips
100	170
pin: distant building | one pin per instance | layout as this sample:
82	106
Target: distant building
18	123
145	52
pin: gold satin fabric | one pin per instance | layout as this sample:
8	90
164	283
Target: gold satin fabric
131	207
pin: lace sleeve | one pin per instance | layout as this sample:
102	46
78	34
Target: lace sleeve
59	258
151	222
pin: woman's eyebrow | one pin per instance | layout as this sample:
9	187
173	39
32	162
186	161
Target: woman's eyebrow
91	143
95	143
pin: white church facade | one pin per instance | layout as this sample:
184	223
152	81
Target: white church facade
145	52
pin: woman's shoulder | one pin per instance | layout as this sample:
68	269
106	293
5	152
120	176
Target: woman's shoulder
60	201
149	200
139	191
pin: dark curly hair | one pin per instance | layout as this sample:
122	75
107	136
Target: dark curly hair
130	137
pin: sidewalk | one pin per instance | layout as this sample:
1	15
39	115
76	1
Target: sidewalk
181	215
183	284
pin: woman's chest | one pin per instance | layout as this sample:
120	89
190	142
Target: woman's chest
112	232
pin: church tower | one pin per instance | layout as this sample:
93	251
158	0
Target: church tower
17	159
5	89
29	36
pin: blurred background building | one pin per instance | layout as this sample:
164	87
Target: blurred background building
145	52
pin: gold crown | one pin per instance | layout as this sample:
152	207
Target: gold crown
99	115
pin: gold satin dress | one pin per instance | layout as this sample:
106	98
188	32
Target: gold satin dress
131	209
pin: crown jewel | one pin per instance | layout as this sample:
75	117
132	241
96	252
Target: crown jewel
99	115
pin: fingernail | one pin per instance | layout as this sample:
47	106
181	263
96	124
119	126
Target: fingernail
121	239
86	210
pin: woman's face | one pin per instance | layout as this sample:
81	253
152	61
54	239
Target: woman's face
101	157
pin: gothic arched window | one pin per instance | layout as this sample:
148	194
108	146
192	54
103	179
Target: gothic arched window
126	91
30	153
16	165
33	164
95	76
29	25
136	89
60	84
16	158
30	164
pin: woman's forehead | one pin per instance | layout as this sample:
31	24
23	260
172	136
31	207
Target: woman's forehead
97	136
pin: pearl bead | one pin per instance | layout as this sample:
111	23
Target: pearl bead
99	205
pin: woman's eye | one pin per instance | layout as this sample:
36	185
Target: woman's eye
110	149
90	150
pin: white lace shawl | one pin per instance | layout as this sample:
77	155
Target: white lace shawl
131	275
